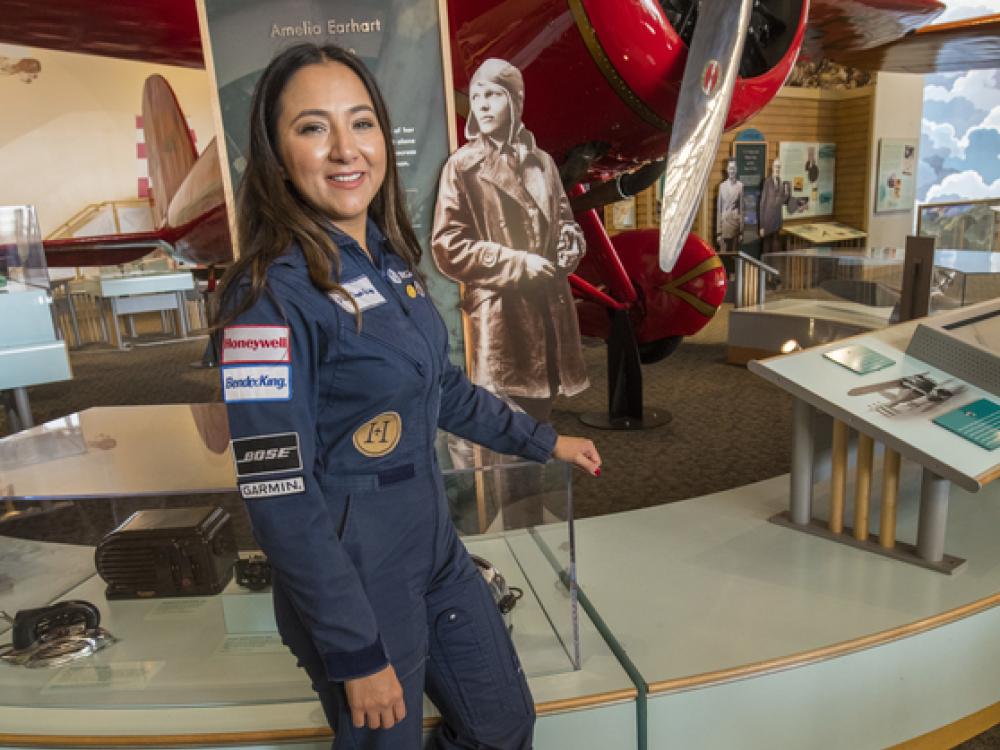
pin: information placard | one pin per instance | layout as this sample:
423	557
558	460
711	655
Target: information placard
809	169
897	175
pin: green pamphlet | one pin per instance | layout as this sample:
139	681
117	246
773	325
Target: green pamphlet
978	422
859	359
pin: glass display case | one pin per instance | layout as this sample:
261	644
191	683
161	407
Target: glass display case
823	294
962	225
31	351
22	258
97	467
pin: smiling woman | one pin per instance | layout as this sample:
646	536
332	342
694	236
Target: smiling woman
333	155
339	381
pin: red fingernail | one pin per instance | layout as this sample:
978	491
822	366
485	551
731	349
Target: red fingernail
597	472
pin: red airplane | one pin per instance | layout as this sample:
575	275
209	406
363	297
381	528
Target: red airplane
619	93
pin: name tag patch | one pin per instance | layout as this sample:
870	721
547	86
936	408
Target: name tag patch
379	436
255	344
256	383
363	292
267	454
273	488
397	277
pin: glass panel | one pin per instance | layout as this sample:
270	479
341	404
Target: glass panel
22	259
222	649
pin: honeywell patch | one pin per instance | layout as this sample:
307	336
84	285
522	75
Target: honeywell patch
253	343
272	488
267	454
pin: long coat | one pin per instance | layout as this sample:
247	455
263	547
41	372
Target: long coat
485	225
772	198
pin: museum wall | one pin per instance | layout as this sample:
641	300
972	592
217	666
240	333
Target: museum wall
898	108
800	114
68	135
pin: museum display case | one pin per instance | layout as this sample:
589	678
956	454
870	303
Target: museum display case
819	295
31	349
96	468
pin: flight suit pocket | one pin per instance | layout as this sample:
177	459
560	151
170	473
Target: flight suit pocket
476	664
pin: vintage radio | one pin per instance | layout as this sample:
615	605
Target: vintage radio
168	552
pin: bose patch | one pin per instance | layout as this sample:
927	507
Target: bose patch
255	344
267	454
272	488
256	383
363	292
379	436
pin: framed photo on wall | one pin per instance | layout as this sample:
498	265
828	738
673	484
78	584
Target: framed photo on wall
809	169
896	175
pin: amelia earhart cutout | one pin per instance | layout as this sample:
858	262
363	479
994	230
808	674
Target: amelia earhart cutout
503	228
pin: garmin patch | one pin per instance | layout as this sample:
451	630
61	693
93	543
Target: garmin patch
255	344
256	383
273	488
379	436
267	454
363	292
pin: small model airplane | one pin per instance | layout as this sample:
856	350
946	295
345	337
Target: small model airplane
910	393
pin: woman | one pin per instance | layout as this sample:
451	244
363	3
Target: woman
336	376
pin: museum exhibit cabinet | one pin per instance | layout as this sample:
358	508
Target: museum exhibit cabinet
31	351
821	295
211	670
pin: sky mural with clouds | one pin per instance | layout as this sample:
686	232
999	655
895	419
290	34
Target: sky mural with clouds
960	136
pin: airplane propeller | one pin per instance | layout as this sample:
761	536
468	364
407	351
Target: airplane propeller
706	91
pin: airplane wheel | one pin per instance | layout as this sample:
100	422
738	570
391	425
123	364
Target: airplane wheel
654	351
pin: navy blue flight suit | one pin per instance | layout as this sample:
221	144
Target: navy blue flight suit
333	436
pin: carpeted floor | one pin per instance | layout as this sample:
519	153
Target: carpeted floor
729	428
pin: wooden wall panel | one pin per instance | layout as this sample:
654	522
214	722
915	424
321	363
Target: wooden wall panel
841	117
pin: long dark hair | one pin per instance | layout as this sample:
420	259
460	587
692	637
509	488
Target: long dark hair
270	212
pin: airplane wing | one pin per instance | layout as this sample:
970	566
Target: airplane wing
157	31
940	48
899	36
104	250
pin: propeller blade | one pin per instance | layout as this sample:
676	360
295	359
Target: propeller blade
713	62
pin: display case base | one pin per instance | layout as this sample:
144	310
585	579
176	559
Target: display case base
650	418
903	551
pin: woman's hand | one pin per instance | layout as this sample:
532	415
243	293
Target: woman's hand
376	700
580	452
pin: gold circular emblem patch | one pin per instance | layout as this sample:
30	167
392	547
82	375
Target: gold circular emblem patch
380	435
411	291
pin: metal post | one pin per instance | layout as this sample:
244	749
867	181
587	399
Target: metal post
738	296
934	491
23	408
803	448
182	315
761	286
